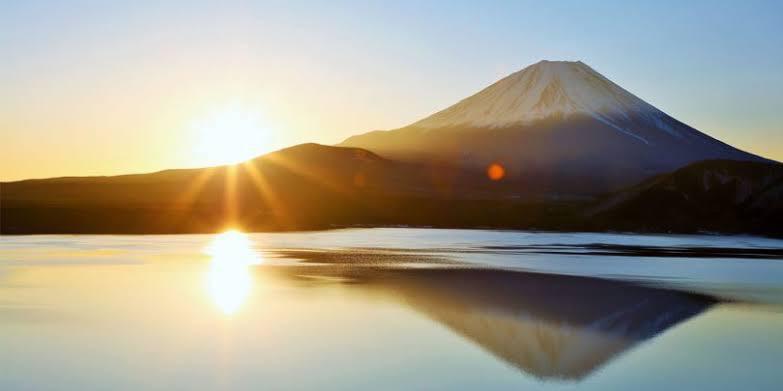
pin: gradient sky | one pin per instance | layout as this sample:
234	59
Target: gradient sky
104	87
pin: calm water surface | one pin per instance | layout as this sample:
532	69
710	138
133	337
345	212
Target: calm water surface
391	309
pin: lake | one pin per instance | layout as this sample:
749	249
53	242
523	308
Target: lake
391	308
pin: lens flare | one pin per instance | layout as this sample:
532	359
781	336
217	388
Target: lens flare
496	172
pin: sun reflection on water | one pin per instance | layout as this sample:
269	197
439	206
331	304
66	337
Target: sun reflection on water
229	280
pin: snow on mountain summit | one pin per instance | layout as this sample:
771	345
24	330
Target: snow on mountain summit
540	91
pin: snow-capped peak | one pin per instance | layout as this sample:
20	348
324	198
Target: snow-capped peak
540	91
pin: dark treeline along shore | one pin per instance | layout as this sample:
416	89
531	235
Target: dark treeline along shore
313	186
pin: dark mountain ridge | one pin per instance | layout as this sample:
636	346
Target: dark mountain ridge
717	195
312	186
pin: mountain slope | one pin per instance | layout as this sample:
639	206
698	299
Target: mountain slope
546	89
557	127
718	195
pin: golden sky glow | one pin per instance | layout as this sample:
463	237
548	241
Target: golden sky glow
231	134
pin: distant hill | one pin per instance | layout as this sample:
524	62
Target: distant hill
308	186
718	195
557	126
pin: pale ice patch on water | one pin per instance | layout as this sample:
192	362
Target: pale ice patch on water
733	276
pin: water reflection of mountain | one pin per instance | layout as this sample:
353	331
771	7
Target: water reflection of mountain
552	327
548	326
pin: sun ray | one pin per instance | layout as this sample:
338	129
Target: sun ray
194	188
306	172
183	204
230	200
271	201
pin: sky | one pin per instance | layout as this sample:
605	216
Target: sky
103	88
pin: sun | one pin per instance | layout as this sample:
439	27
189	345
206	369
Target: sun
230	135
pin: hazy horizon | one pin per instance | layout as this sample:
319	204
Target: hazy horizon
107	89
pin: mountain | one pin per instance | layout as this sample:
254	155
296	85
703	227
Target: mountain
555	127
719	195
305	186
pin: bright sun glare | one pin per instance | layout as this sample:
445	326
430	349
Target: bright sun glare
229	280
230	135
